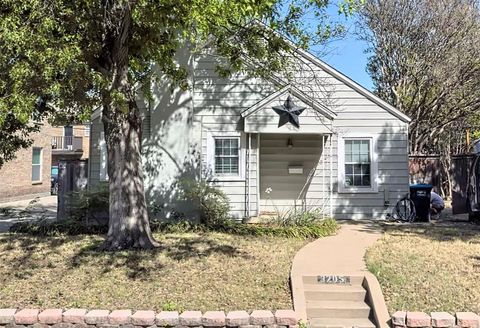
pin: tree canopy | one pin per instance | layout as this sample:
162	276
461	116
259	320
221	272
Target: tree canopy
425	61
62	58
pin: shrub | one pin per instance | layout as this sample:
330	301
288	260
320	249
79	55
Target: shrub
213	204
68	227
89	206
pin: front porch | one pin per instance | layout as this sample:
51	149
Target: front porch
289	163
288	173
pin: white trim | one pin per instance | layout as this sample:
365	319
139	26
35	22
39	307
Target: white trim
249	171
258	174
211	136
331	176
373	166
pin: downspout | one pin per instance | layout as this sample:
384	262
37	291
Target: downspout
331	177
249	136
323	175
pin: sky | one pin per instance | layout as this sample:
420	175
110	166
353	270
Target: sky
347	55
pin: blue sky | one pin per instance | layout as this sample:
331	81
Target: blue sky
348	54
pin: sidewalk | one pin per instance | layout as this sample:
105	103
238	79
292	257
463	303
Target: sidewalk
27	210
339	254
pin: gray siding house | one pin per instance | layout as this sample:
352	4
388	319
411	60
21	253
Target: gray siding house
348	158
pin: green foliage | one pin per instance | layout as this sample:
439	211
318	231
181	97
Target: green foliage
213	204
62	58
293	217
316	229
90	206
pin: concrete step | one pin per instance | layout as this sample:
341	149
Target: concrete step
354	280
337	309
341	323
334	292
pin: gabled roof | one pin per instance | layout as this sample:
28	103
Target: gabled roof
295	92
354	85
341	77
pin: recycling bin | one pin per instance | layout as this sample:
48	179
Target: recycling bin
420	195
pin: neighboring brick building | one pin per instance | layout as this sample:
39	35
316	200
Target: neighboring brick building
29	173
70	142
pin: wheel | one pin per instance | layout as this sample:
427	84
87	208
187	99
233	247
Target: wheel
404	210
472	215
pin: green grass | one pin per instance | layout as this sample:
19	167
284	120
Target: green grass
201	271
428	267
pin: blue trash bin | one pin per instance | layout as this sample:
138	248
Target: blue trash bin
420	195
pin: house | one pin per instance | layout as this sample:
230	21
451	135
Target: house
29	174
347	157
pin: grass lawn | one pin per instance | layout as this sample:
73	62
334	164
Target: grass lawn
190	271
428	267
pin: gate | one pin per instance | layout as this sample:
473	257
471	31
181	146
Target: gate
459	172
72	177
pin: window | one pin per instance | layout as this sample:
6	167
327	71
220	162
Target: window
87	130
357	164
227	156
36	164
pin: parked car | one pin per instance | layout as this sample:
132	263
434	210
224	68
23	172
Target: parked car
473	190
54	180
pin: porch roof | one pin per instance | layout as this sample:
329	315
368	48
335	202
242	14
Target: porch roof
260	118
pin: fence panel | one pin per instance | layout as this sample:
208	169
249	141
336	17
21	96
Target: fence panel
460	170
72	177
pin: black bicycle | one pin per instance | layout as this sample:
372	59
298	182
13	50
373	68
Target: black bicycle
404	210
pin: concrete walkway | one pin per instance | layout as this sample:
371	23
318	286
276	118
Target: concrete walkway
339	254
34	209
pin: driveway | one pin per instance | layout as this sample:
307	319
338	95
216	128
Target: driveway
27	210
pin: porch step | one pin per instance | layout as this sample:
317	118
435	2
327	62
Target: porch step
341	323
334	293
313	280
337	309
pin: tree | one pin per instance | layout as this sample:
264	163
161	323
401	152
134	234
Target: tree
73	56
426	62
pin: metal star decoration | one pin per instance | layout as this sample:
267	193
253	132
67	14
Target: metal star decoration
289	112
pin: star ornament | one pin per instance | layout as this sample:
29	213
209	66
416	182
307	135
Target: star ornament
289	112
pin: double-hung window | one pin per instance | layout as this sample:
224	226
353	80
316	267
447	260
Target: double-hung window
227	156
36	165
357	164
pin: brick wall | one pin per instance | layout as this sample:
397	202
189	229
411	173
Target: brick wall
402	319
16	175
78	131
81	318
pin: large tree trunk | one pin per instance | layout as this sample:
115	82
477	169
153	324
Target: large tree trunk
128	223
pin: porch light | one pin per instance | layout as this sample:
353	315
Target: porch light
290	142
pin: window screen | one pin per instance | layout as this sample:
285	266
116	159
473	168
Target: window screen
357	163
227	156
37	164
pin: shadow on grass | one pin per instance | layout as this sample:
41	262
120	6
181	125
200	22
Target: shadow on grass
436	231
138	264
